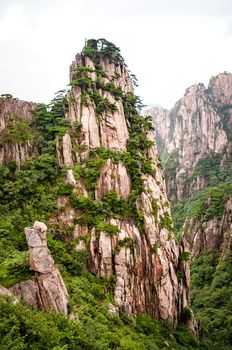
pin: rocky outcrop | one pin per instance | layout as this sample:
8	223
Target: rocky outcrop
111	132
196	130
220	88
161	122
214	235
16	136
7	293
141	253
47	290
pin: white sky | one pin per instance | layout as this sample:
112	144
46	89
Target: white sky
168	44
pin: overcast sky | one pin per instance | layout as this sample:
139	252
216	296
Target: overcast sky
168	44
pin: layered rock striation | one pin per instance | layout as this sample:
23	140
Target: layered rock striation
195	135
46	290
212	236
16	137
119	208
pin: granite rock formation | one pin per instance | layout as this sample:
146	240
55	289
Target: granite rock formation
196	130
142	255
16	139
194	141
47	289
214	235
6	292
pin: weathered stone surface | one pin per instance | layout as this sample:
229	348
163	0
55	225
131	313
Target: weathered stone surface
6	292
70	178
143	261
47	289
195	128
211	236
15	151
28	291
112	309
220	87
112	132
114	177
52	291
40	257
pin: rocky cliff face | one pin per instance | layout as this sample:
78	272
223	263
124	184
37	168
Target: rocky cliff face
16	138
119	210
194	135
194	141
211	236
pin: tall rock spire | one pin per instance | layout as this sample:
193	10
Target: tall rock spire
119	205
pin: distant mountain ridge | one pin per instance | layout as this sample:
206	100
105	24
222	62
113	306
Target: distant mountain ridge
194	140
196	130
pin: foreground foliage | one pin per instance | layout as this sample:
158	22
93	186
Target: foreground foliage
23	328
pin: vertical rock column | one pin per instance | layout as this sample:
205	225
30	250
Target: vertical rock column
51	290
141	254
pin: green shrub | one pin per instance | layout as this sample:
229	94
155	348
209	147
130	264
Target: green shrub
186	315
102	104
184	256
50	119
101	48
15	268
166	222
155	207
126	242
154	248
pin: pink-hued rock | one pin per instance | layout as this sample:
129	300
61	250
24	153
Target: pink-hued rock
193	129
221	87
47	289
8	293
111	132
114	177
143	261
28	291
214	235
40	257
52	291
11	108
